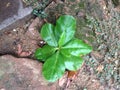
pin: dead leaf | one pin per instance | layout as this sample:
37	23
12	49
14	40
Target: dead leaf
100	68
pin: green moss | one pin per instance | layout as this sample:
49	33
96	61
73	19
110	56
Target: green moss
81	5
1	74
72	0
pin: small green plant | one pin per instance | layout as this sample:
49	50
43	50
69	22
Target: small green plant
63	50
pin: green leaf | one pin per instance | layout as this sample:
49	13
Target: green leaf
65	29
44	52
66	36
76	47
72	62
63	50
47	33
54	68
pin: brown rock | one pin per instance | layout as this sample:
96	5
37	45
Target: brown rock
22	74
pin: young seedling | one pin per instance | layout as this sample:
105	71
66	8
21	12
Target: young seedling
62	50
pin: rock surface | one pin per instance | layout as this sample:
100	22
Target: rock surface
25	74
13	12
22	74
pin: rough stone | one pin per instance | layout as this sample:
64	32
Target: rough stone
12	12
22	74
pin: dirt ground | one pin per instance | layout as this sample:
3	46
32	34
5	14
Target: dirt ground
98	24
